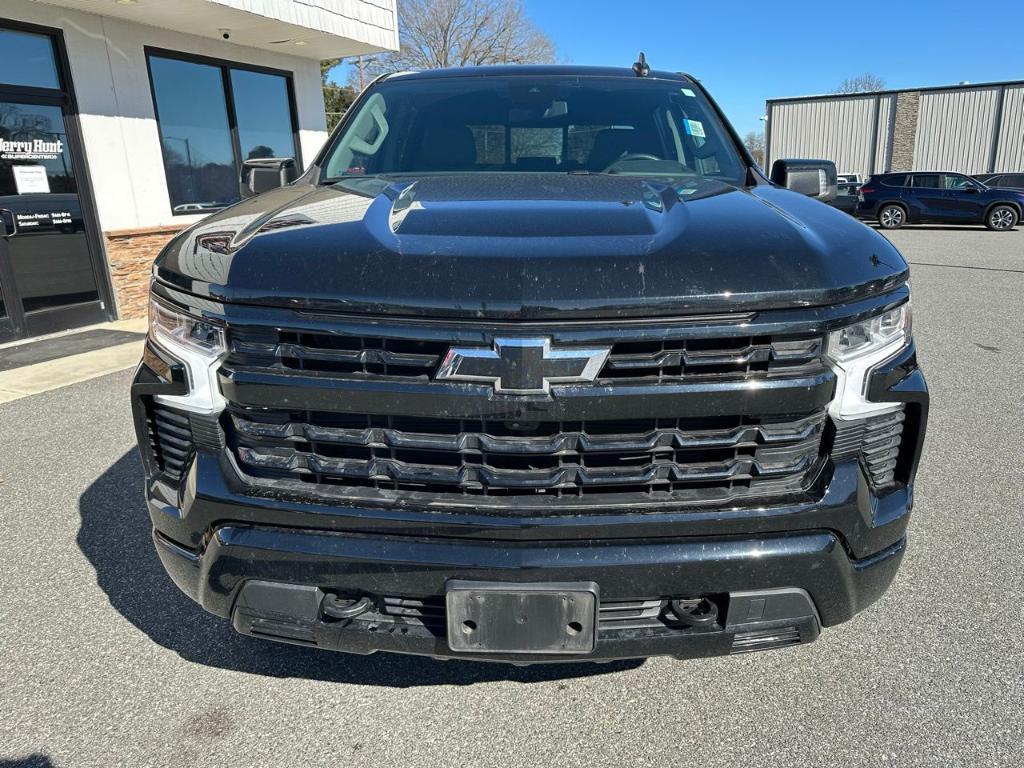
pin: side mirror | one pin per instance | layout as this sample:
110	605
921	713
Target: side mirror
814	178
972	190
266	173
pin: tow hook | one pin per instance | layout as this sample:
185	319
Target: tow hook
699	612
337	607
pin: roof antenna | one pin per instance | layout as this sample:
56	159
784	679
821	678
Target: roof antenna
640	68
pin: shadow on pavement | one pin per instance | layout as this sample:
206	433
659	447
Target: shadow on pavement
28	761
115	537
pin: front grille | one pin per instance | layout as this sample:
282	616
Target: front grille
648	361
693	459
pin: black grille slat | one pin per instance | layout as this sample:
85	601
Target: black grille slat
463	441
699	358
723	455
335	353
631	614
671	359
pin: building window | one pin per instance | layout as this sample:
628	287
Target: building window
27	59
264	118
213	115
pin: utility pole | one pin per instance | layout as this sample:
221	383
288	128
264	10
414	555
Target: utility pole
361	68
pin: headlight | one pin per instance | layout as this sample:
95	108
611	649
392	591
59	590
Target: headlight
868	336
199	345
856	350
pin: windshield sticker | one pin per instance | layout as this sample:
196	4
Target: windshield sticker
694	128
688	92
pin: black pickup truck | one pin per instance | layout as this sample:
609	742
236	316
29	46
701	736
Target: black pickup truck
532	364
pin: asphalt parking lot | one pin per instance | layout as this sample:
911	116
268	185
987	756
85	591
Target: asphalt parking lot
104	662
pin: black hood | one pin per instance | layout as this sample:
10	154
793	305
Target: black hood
531	247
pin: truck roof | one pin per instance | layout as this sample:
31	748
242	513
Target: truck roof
539	70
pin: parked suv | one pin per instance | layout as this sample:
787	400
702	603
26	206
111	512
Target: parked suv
1002	180
895	199
532	364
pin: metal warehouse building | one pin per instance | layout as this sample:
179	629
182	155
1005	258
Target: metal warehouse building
965	128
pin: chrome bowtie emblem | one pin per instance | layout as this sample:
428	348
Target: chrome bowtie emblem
522	366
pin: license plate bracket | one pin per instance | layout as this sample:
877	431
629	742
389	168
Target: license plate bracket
540	618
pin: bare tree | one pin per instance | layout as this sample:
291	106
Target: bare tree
754	142
337	98
861	84
460	33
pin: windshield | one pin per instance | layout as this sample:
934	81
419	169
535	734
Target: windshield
528	124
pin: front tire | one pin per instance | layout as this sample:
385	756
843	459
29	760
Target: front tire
891	217
1002	218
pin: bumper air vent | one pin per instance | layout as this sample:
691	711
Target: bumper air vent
876	440
171	436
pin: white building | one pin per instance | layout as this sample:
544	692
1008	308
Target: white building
123	121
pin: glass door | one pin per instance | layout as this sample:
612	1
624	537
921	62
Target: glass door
49	276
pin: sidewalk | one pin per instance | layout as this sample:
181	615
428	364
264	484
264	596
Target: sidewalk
40	365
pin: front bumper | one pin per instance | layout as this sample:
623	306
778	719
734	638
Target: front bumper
266	560
775	590
842	553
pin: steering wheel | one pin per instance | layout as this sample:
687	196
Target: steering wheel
630	156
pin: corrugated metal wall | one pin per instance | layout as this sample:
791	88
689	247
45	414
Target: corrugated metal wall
970	130
840	130
955	130
1010	151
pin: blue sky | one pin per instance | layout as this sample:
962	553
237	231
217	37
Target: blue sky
745	52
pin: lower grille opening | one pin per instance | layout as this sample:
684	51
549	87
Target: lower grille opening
613	615
765	639
281	630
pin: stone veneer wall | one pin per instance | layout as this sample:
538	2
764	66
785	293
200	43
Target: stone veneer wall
130	253
904	138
